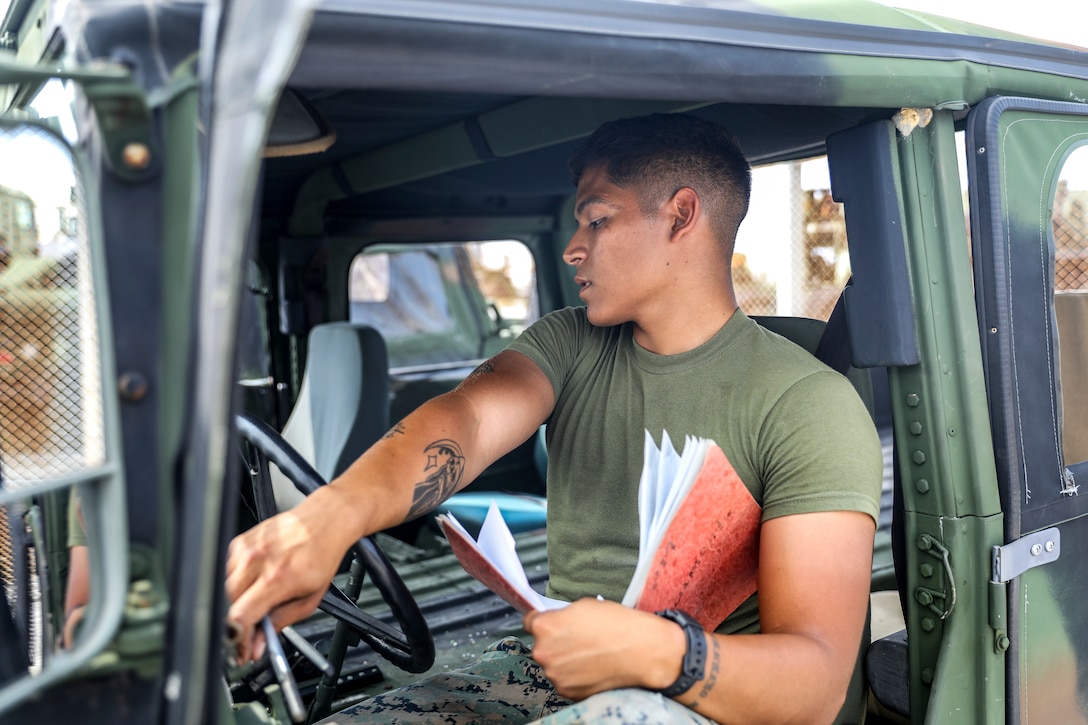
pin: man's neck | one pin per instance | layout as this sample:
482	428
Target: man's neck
685	329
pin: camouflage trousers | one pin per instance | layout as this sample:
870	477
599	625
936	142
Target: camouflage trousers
506	686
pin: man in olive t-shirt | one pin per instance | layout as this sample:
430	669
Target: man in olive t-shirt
764	400
658	203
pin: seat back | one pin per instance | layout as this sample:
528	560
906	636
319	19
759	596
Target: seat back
810	334
829	343
343	402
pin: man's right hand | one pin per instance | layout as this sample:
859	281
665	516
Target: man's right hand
283	566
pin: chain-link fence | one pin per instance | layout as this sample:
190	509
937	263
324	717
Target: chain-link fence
7	558
50	391
791	256
1070	225
1070	219
50	399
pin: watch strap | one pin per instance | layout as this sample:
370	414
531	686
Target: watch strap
694	664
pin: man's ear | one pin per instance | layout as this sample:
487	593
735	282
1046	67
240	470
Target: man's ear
684	209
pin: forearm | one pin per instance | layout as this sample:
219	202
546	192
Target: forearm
417	464
284	564
796	670
443	445
799	667
768	678
592	646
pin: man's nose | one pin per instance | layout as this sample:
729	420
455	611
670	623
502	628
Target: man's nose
575	251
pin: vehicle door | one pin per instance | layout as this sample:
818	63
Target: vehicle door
62	482
1028	166
118	378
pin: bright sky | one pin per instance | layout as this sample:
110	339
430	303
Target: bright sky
1063	20
29	150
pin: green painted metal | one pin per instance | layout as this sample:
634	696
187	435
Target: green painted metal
946	460
868	81
860	79
1046	602
181	173
507	131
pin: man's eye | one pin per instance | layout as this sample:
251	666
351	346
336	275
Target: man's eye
595	223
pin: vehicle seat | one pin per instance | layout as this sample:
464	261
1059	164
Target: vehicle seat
343	408
828	342
343	403
520	511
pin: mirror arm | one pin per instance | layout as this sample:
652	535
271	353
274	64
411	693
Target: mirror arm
120	106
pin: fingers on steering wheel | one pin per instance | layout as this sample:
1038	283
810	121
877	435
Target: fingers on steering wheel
250	597
238	581
294	610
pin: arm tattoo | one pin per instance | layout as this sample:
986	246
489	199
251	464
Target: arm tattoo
444	467
711	677
396	430
487	366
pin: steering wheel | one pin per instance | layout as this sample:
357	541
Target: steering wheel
412	648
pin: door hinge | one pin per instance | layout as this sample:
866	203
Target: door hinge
1028	552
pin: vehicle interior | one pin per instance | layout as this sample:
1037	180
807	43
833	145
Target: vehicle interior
415	184
421	161
410	219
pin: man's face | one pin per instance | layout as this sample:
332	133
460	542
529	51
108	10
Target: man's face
618	252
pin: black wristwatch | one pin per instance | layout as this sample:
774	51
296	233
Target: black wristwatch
694	665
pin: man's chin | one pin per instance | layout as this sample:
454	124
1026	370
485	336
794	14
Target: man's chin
600	318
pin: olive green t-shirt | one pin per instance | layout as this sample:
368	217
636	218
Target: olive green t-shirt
796	432
77	533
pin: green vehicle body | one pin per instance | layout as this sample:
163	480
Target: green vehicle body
452	121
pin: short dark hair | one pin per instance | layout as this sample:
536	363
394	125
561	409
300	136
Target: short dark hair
658	155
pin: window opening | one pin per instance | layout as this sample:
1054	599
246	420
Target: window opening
791	217
1069	219
447	302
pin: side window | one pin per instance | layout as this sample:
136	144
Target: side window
1070	225
791	257
506	277
444	303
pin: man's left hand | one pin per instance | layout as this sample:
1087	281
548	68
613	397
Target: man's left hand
594	645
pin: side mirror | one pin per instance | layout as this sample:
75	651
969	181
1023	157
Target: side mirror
62	525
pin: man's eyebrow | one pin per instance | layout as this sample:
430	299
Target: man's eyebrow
592	200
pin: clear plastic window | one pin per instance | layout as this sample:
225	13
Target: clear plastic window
1070	225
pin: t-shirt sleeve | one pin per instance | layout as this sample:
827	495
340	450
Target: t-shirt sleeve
553	342
820	451
77	533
